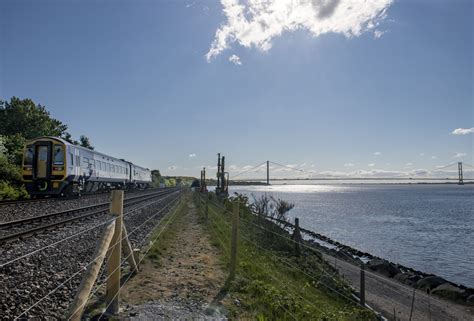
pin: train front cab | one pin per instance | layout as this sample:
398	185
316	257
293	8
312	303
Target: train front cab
44	167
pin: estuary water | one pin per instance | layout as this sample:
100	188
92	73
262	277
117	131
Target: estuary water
426	227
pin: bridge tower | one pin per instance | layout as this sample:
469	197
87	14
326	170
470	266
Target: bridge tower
461	180
268	172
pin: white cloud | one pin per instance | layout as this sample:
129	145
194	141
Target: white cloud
378	34
408	164
434	157
371	165
457	155
173	167
422	154
192	155
377	153
349	165
235	60
256	23
463	131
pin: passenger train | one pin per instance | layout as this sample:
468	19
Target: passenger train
54	167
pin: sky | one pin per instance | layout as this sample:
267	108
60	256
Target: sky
333	87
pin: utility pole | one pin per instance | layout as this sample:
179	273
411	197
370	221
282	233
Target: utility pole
461	180
203	180
222	180
218	188
268	172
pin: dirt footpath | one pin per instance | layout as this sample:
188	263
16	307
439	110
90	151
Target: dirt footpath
183	281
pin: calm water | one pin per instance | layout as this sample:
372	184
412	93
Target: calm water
427	227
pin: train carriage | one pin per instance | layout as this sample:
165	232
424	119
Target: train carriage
53	166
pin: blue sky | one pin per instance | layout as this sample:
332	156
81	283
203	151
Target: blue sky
133	76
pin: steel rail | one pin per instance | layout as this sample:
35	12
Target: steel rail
4	225
56	198
33	230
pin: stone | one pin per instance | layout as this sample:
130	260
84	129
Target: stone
430	282
449	291
383	267
407	278
470	299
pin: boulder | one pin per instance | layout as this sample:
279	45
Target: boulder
470	299
430	282
449	291
408	278
383	267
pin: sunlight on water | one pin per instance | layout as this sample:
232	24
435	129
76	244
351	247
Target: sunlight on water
425	226
295	188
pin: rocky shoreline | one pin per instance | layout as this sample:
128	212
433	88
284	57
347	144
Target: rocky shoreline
430	283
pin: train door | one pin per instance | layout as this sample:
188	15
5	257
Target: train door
43	161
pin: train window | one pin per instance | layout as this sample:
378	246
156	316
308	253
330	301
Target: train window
71	160
92	165
85	162
78	160
100	165
58	158
29	155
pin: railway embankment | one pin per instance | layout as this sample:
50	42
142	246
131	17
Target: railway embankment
396	291
186	272
40	272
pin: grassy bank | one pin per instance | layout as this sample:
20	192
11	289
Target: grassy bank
271	281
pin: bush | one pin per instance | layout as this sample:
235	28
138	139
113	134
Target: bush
8	192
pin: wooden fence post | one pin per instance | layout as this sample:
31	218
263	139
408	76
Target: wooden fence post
113	268
362	285
233	244
297	237
82	294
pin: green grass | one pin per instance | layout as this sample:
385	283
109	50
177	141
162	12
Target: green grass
271	282
167	230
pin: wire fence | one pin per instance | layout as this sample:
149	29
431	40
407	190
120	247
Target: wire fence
392	298
70	277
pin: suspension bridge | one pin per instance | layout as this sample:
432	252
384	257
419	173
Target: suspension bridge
308	175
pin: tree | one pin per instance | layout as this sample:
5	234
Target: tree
84	142
10	176
67	137
155	178
24	117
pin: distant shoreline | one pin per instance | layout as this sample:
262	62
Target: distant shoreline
246	183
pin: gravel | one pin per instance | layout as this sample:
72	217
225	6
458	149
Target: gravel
174	309
12	212
30	279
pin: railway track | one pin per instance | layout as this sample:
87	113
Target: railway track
55	199
22	228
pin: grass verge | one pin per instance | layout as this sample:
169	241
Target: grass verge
271	282
167	231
